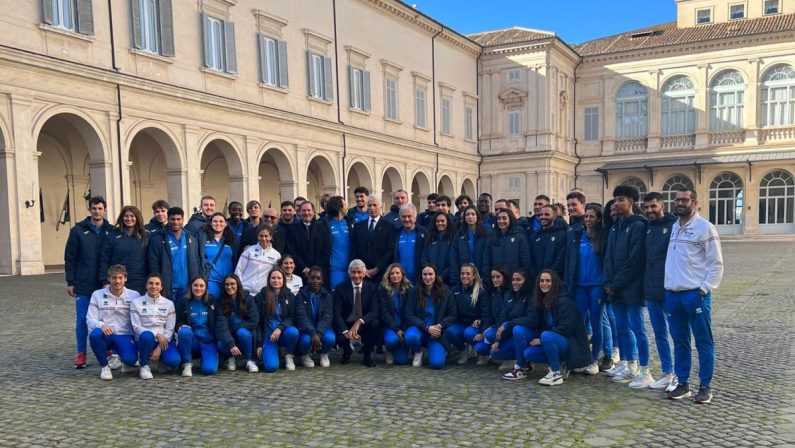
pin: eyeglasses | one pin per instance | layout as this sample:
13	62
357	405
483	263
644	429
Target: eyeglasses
270	218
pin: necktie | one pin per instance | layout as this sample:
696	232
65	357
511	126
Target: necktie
357	303
372	225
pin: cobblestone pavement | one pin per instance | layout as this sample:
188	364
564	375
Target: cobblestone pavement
45	402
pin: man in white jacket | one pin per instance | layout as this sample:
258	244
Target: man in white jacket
693	269
109	324
153	319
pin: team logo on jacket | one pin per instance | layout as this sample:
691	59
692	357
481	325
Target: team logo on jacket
512	239
553	238
665	231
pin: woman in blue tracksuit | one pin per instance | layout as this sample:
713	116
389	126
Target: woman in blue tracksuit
429	311
514	311
237	323
470	245
126	246
196	328
490	322
441	234
314	313
585	244
392	298
508	245
472	304
277	322
219	251
562	343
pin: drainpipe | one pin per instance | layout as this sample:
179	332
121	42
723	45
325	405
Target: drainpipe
433	92
118	101
574	110
343	172
477	117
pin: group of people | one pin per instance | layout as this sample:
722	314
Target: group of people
495	286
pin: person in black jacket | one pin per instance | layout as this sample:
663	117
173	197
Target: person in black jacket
438	244
309	241
202	217
399	199
160	216
625	258
236	323
195	326
315	311
373	241
277	318
470	245
491	320
508	245
356	314
548	245
392	298
562	343
81	264
658	235
515	331
175	254
424	218
472	308
126	246
270	218
429	312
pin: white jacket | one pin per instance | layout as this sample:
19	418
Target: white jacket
254	266
153	315
113	311
694	259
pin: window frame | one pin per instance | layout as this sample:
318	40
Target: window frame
446	116
514	123
731	12
591	117
59	14
420	110
469	126
675	120
150	26
784	108
638	126
709	18
509	75
765	7
391	98
216	44
719	106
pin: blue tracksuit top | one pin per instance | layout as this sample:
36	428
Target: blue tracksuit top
277	318
406	243
589	267
340	244
223	267
179	261
429	313
397	299
360	216
199	317
238	229
314	308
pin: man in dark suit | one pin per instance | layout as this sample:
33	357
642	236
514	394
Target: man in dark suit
373	241
356	314
309	241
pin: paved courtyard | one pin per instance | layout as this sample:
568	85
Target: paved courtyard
45	402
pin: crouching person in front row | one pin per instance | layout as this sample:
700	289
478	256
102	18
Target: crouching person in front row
277	322
153	320
236	324
108	321
196	328
429	312
315	310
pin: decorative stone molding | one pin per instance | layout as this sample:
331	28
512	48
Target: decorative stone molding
513	98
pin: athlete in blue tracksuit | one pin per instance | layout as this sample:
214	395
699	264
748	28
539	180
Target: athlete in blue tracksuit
219	251
392	298
237	323
236	223
126	246
81	265
548	245
314	313
409	243
470	246
340	229
472	308
430	311
508	246
513	334
196	322
438	243
175	254
491	322
277	322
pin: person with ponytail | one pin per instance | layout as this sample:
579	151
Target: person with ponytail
472	306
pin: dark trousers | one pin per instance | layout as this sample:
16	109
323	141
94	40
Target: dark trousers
369	334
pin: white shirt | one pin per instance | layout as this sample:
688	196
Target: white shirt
694	259
294	283
254	266
113	311
153	315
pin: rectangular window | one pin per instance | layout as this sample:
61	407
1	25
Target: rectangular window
703	16
72	15
419	108
514	122
513	183
153	27
148	26
469	123
273	62
514	75
359	85
319	81
446	116
772	7
391	87
591	124
219	45
64	14
737	12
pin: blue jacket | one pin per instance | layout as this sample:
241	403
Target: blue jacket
491	318
573	238
460	254
567	323
182	308
325	311
120	248
393	217
223	327
509	249
516	308
197	222
658	234
446	313
154	225
419	245
437	253
388	313
158	257
82	255
625	257
548	249
466	312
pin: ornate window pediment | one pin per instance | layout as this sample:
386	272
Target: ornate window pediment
513	98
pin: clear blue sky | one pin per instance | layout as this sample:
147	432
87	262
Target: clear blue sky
574	21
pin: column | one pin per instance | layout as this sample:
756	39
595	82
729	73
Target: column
193	181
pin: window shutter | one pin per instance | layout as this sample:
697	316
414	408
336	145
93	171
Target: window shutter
328	94
135	15
366	90
206	38
263	57
284	80
310	75
166	28
230	50
46	11
350	86
85	17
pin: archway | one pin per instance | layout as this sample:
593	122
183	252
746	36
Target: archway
358	175
671	186
222	174
71	169
155	170
420	189
446	187
726	203
320	179
276	178
390	183
468	188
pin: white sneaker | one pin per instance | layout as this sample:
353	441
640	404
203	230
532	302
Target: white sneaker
616	355
145	373
324	362
627	374
590	369
252	366
417	359
507	365
230	364
552	379
674	385
289	364
105	374
618	368
390	358
663	382
187	370
114	362
307	361
463	357
642	380
483	360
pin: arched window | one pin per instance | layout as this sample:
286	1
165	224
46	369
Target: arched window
776	197
637	183
672	185
632	111
777	105
726	200
727	101
678	113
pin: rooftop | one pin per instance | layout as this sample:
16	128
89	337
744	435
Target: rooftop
509	36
